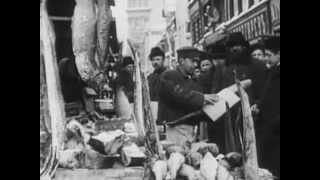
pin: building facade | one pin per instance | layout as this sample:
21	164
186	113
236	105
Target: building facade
153	31
138	12
256	19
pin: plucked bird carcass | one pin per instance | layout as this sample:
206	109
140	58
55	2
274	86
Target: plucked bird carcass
175	163
188	172
71	158
208	167
160	169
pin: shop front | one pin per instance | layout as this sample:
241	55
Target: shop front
275	16
254	24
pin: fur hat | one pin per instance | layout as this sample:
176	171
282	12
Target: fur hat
218	52
272	43
156	51
236	38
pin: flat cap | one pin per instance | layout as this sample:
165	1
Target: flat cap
188	51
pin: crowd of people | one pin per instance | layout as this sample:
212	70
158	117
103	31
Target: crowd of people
201	75
195	83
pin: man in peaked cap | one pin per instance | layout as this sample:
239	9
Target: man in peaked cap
180	95
157	60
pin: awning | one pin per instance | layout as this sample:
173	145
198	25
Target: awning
214	38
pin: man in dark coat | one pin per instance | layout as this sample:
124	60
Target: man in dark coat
180	95
268	123
125	77
237	59
71	83
207	69
157	59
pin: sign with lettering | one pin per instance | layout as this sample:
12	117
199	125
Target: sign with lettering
275	12
253	27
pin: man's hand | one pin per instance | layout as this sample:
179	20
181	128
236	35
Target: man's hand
210	98
255	109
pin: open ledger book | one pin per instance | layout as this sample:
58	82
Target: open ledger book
226	95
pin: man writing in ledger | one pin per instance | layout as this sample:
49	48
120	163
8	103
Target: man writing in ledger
180	95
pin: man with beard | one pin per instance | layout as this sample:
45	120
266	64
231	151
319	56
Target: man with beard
237	60
157	60
179	95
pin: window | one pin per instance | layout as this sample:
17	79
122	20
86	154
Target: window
239	6
231	9
251	2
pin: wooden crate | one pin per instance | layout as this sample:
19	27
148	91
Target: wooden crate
132	173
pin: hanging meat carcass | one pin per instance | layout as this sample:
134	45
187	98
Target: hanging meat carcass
54	96
104	16
84	39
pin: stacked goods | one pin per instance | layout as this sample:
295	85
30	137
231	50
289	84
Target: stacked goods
91	149
201	161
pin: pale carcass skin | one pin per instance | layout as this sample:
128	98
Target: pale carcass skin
203	148
160	169
189	172
68	158
122	105
103	26
84	38
223	173
208	167
55	99
175	148
194	159
138	98
175	162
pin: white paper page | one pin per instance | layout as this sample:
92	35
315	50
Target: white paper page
217	110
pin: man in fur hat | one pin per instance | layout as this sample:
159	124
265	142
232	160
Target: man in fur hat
237	59
157	60
179	95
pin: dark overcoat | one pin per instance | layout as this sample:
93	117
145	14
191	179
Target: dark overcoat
179	95
154	83
268	124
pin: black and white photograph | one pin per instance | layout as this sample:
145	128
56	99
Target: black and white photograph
159	89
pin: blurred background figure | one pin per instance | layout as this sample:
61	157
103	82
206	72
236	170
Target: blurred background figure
196	72
257	52
71	83
125	77
268	123
205	62
157	60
